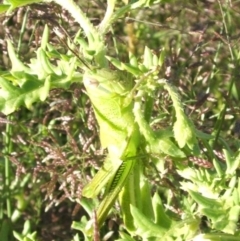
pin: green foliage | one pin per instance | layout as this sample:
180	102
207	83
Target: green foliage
12	4
153	146
25	85
26	233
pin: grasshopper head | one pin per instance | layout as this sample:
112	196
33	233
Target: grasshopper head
106	83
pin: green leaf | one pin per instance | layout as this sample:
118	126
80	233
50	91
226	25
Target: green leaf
18	236
4	8
26	227
125	237
31	90
165	145
205	201
88	205
218	167
131	69
155	60
20	3
45	64
184	131
159	213
84	226
156	143
229	223
162	57
115	62
216	237
145	227
214	214
148	58
6	229
232	163
183	230
145	198
17	65
133	60
45	37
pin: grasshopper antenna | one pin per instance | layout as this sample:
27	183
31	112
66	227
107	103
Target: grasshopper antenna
61	33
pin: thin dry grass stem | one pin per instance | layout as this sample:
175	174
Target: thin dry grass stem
199	103
76	209
174	210
50	186
72	178
82	139
88	143
92	125
73	143
163	180
219	155
54	153
6	121
66	193
66	179
200	162
96	232
20	15
66	176
20	140
91	121
20	168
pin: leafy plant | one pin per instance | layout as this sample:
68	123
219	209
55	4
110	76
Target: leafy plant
139	149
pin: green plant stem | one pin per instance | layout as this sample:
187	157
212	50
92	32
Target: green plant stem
104	25
226	29
22	30
139	117
95	39
223	112
80	17
8	149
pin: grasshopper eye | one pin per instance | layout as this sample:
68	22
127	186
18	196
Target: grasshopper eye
91	82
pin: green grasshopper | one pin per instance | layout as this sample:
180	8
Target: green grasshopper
118	133
121	123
